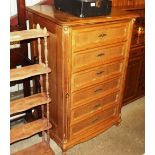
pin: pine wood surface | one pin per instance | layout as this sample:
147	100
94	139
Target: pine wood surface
38	149
85	78
101	34
66	19
92	120
29	129
95	92
26	103
98	56
94	106
79	45
27	34
28	71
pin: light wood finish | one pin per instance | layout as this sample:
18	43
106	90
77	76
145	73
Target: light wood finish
28	103
66	19
27	34
28	129
85	37
38	149
96	75
42	99
91	107
95	91
97	56
88	61
92	120
28	71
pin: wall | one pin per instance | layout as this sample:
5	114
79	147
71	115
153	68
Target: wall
13	5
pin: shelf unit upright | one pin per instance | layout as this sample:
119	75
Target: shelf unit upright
41	99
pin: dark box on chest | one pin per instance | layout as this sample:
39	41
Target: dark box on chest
84	8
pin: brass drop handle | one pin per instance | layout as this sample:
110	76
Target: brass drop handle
95	120
97	105
102	35
99	73
98	90
100	54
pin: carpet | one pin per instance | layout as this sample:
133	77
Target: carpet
126	139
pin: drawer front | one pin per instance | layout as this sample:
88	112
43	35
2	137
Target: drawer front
95	92
90	58
102	116
92	36
89	77
94	106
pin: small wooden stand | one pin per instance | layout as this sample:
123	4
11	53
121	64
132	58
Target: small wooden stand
41	99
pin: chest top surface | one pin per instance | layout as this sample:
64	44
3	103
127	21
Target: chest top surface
63	18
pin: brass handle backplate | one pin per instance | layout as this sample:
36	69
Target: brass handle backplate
98	90
99	73
97	105
95	120
102	35
100	54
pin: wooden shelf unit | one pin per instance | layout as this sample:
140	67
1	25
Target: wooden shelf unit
28	102
41	99
28	71
28	129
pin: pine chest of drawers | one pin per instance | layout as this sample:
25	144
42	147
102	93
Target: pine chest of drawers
88	58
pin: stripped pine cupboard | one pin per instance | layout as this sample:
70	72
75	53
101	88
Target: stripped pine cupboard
42	99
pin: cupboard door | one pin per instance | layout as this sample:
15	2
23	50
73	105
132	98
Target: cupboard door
132	78
141	84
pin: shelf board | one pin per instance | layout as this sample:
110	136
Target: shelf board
27	34
29	102
28	129
28	71
38	149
